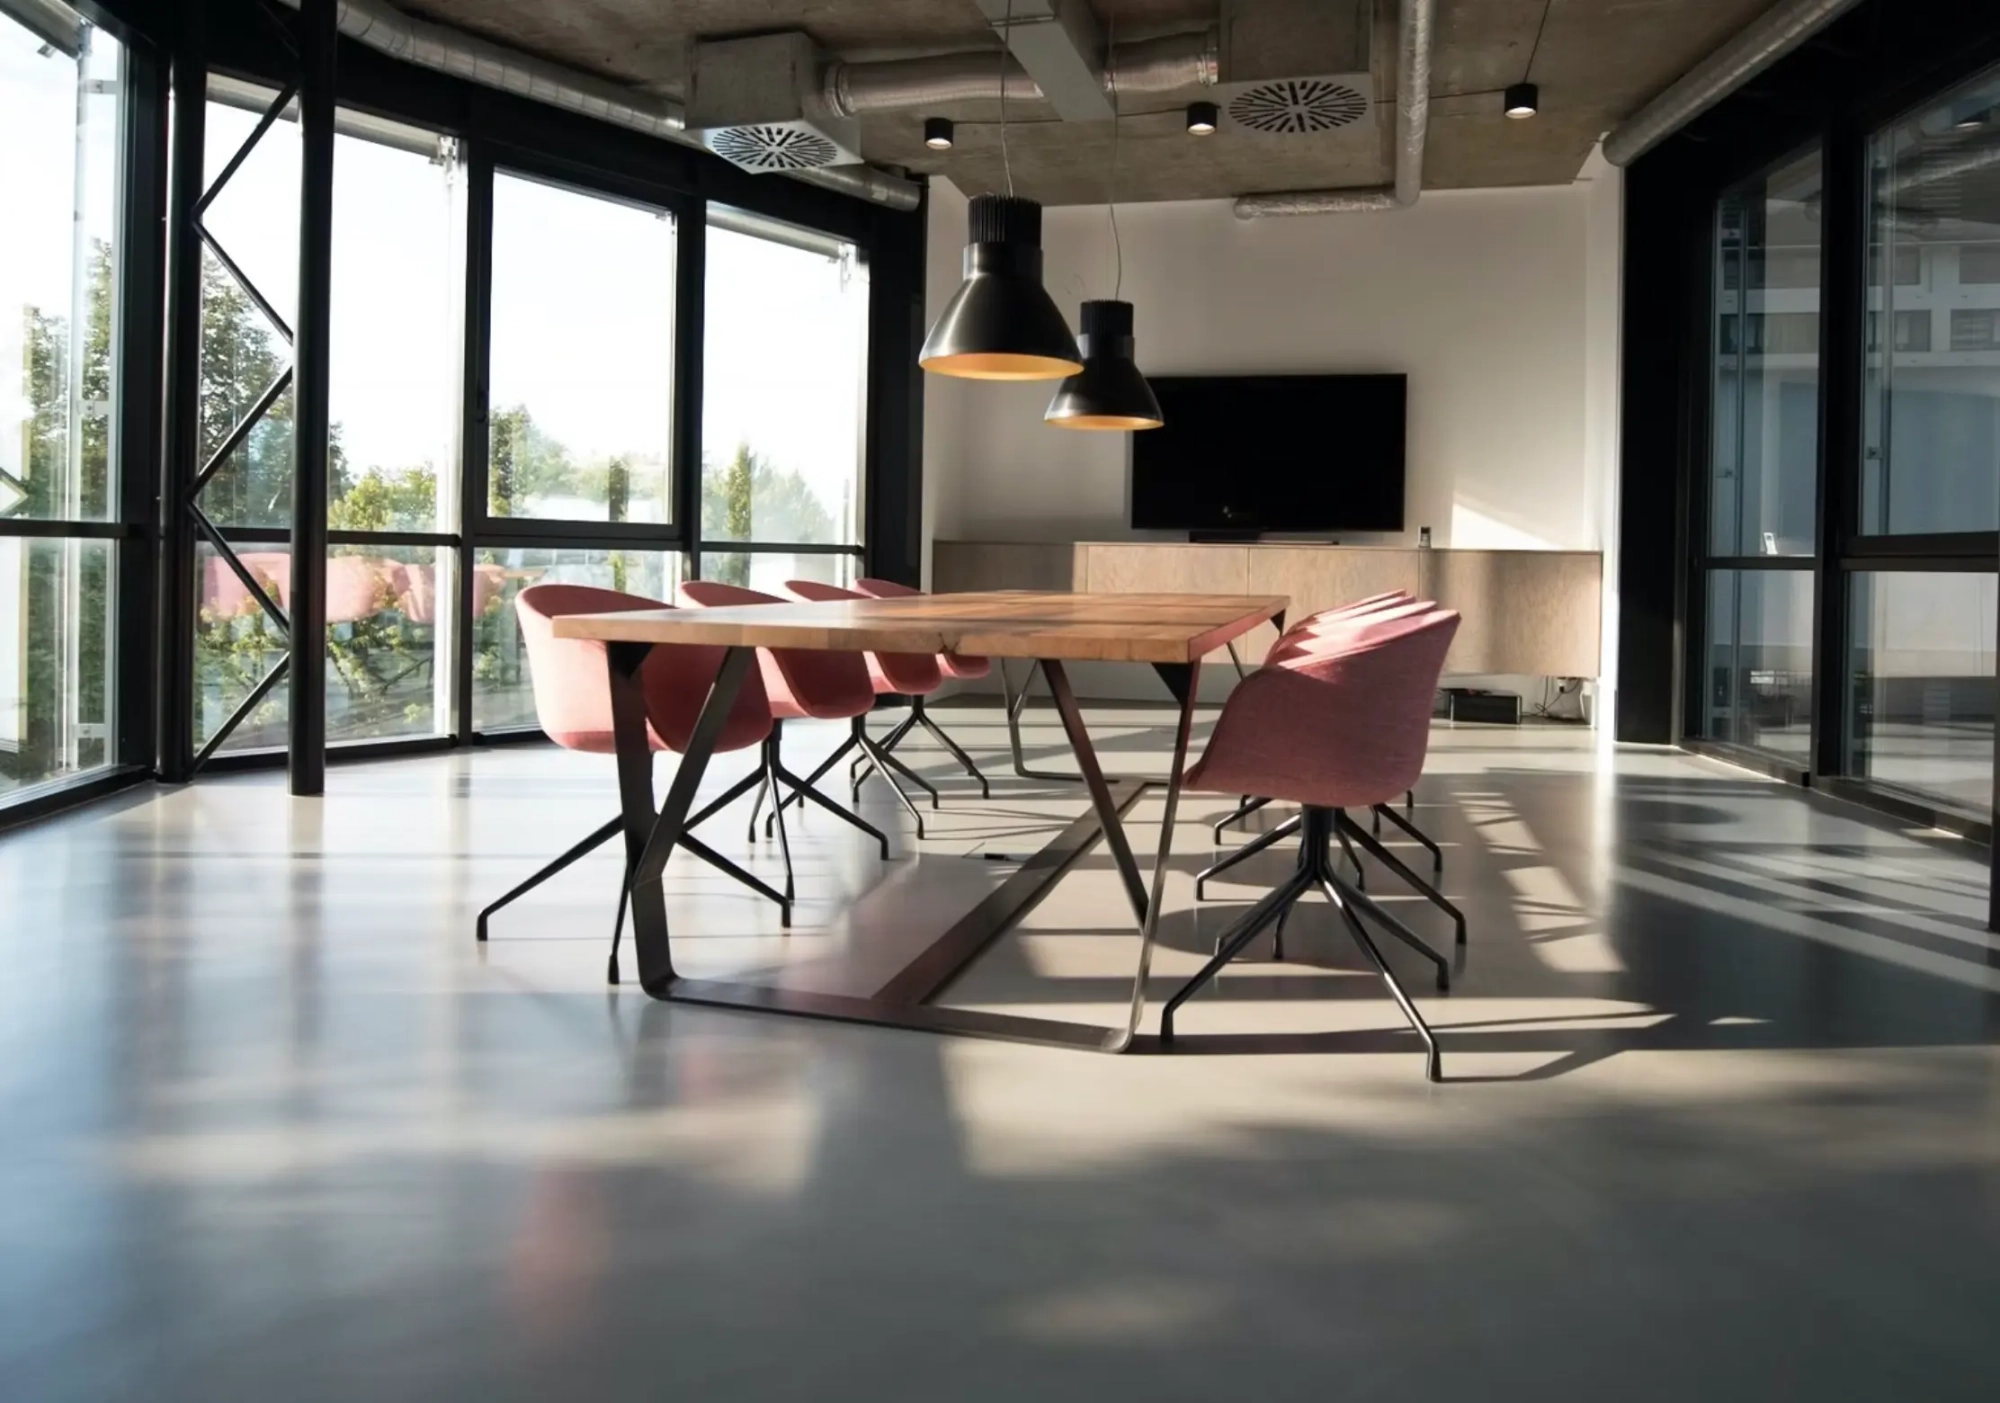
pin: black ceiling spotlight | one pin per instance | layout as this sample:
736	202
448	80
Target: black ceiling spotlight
1109	392
1001	323
1201	118
1523	100
937	133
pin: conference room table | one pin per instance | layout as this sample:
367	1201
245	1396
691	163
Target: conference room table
1172	633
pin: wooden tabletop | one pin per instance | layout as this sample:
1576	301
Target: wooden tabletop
1140	628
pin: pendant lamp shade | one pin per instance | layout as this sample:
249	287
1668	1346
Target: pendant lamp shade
1109	392
1001	324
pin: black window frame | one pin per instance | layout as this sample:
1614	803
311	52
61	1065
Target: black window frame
130	525
260	43
1864	72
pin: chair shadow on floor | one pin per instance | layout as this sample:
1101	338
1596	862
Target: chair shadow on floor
1799	938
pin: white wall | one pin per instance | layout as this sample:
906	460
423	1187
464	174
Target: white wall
1480	297
1603	190
1500	305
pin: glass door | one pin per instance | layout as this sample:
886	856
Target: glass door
1756	664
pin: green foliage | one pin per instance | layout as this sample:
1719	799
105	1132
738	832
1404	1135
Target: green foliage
62	584
405	501
526	463
749	500
240	359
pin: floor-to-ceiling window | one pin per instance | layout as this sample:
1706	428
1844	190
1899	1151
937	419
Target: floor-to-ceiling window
1763	465
397	247
785	352
60	130
1920	567
1847	511
523	303
579	422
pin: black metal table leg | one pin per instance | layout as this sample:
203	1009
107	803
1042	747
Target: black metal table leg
1015	706
1146	903
650	838
905	999
1092	775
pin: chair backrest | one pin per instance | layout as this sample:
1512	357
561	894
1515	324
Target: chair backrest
573	686
883	589
1331	625
419	599
1339	614
223	593
360	586
821	682
1340	720
969	666
906	674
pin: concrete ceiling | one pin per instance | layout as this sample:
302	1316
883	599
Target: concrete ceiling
1595	61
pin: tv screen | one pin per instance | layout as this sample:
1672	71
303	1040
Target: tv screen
1256	453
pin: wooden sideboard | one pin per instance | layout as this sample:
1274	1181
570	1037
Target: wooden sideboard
1525	612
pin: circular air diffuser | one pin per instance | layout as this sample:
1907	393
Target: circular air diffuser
773	148
1297	106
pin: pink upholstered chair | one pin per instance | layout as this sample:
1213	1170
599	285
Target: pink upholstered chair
1373	604
913	675
801	682
223	594
1336	721
1388	604
956	666
573	703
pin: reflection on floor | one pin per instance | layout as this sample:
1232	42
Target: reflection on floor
1721	1120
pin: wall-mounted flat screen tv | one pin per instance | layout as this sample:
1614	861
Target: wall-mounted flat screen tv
1272	453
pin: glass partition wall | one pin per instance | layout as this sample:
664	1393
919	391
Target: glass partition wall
1847	526
1921	631
557	352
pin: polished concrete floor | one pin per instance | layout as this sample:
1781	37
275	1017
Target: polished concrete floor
1723	1117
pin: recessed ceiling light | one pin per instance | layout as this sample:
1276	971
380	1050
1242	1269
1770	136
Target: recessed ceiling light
1523	100
1201	119
1973	121
937	133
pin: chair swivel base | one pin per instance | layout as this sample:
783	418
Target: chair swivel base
857	739
1252	803
920	716
1315	871
599	837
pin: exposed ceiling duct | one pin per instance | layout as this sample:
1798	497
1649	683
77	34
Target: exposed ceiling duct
1164	65
1761	43
53	23
1415	23
441	49
758	102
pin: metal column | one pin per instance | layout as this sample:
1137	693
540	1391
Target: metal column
318	36
182	457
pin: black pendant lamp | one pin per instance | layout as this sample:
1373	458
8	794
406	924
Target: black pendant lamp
1001	324
1109	392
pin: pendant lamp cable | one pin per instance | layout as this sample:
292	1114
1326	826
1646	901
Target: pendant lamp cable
1006	36
1111	195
